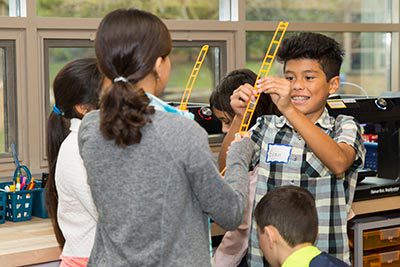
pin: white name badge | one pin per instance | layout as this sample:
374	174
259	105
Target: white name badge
278	153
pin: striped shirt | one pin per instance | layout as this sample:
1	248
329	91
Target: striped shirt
333	195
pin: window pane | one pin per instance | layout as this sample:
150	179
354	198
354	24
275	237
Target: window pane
13	8
60	56
183	60
366	65
2	100
356	11
166	9
8	116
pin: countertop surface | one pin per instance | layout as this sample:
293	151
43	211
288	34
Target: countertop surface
28	242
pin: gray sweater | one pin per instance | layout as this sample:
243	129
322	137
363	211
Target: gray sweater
153	198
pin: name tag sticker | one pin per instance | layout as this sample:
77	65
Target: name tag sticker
278	153
336	103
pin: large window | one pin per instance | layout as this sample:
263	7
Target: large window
183	58
364	70
167	9
57	54
348	11
46	34
8	123
13	8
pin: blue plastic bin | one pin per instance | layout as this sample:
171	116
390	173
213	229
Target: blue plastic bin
3	198
19	206
39	202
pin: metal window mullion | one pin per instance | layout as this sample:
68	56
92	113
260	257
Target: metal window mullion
10	96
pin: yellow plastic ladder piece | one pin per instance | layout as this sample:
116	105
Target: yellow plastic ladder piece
193	77
263	72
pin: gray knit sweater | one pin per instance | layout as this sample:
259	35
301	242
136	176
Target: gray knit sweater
153	198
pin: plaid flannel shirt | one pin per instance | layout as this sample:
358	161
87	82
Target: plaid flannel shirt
333	196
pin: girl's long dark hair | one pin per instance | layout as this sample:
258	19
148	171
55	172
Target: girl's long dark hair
128	43
76	83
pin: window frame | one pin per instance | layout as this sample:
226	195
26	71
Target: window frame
49	43
10	97
198	44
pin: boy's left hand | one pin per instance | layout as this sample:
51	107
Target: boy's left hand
279	90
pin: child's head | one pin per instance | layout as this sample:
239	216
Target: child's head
286	217
312	64
132	48
76	88
308	45
220	97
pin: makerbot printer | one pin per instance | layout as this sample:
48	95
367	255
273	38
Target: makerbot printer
380	118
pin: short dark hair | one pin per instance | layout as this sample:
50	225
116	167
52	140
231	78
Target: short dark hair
220	97
291	210
316	46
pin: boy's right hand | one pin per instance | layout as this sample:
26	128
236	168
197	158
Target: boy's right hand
280	91
241	97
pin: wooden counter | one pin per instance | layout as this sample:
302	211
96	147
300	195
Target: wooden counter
376	205
33	242
29	242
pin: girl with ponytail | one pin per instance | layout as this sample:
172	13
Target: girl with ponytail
68	196
151	172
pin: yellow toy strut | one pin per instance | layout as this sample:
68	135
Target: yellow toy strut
263	72
193	77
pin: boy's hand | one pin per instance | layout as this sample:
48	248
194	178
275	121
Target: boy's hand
241	97
279	89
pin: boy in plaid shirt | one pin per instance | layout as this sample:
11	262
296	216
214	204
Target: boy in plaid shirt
305	146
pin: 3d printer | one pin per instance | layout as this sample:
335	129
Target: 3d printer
380	118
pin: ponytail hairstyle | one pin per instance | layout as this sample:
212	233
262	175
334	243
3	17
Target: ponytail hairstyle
76	83
128	43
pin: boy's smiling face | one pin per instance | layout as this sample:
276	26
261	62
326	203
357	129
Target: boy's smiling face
310	88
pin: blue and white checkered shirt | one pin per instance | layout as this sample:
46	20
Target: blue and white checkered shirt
333	195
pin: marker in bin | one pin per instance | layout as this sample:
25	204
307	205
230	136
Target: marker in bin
20	186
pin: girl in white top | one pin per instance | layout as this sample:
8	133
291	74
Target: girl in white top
69	199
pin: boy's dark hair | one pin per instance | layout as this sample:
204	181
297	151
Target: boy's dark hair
78	82
291	210
220	97
316	46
